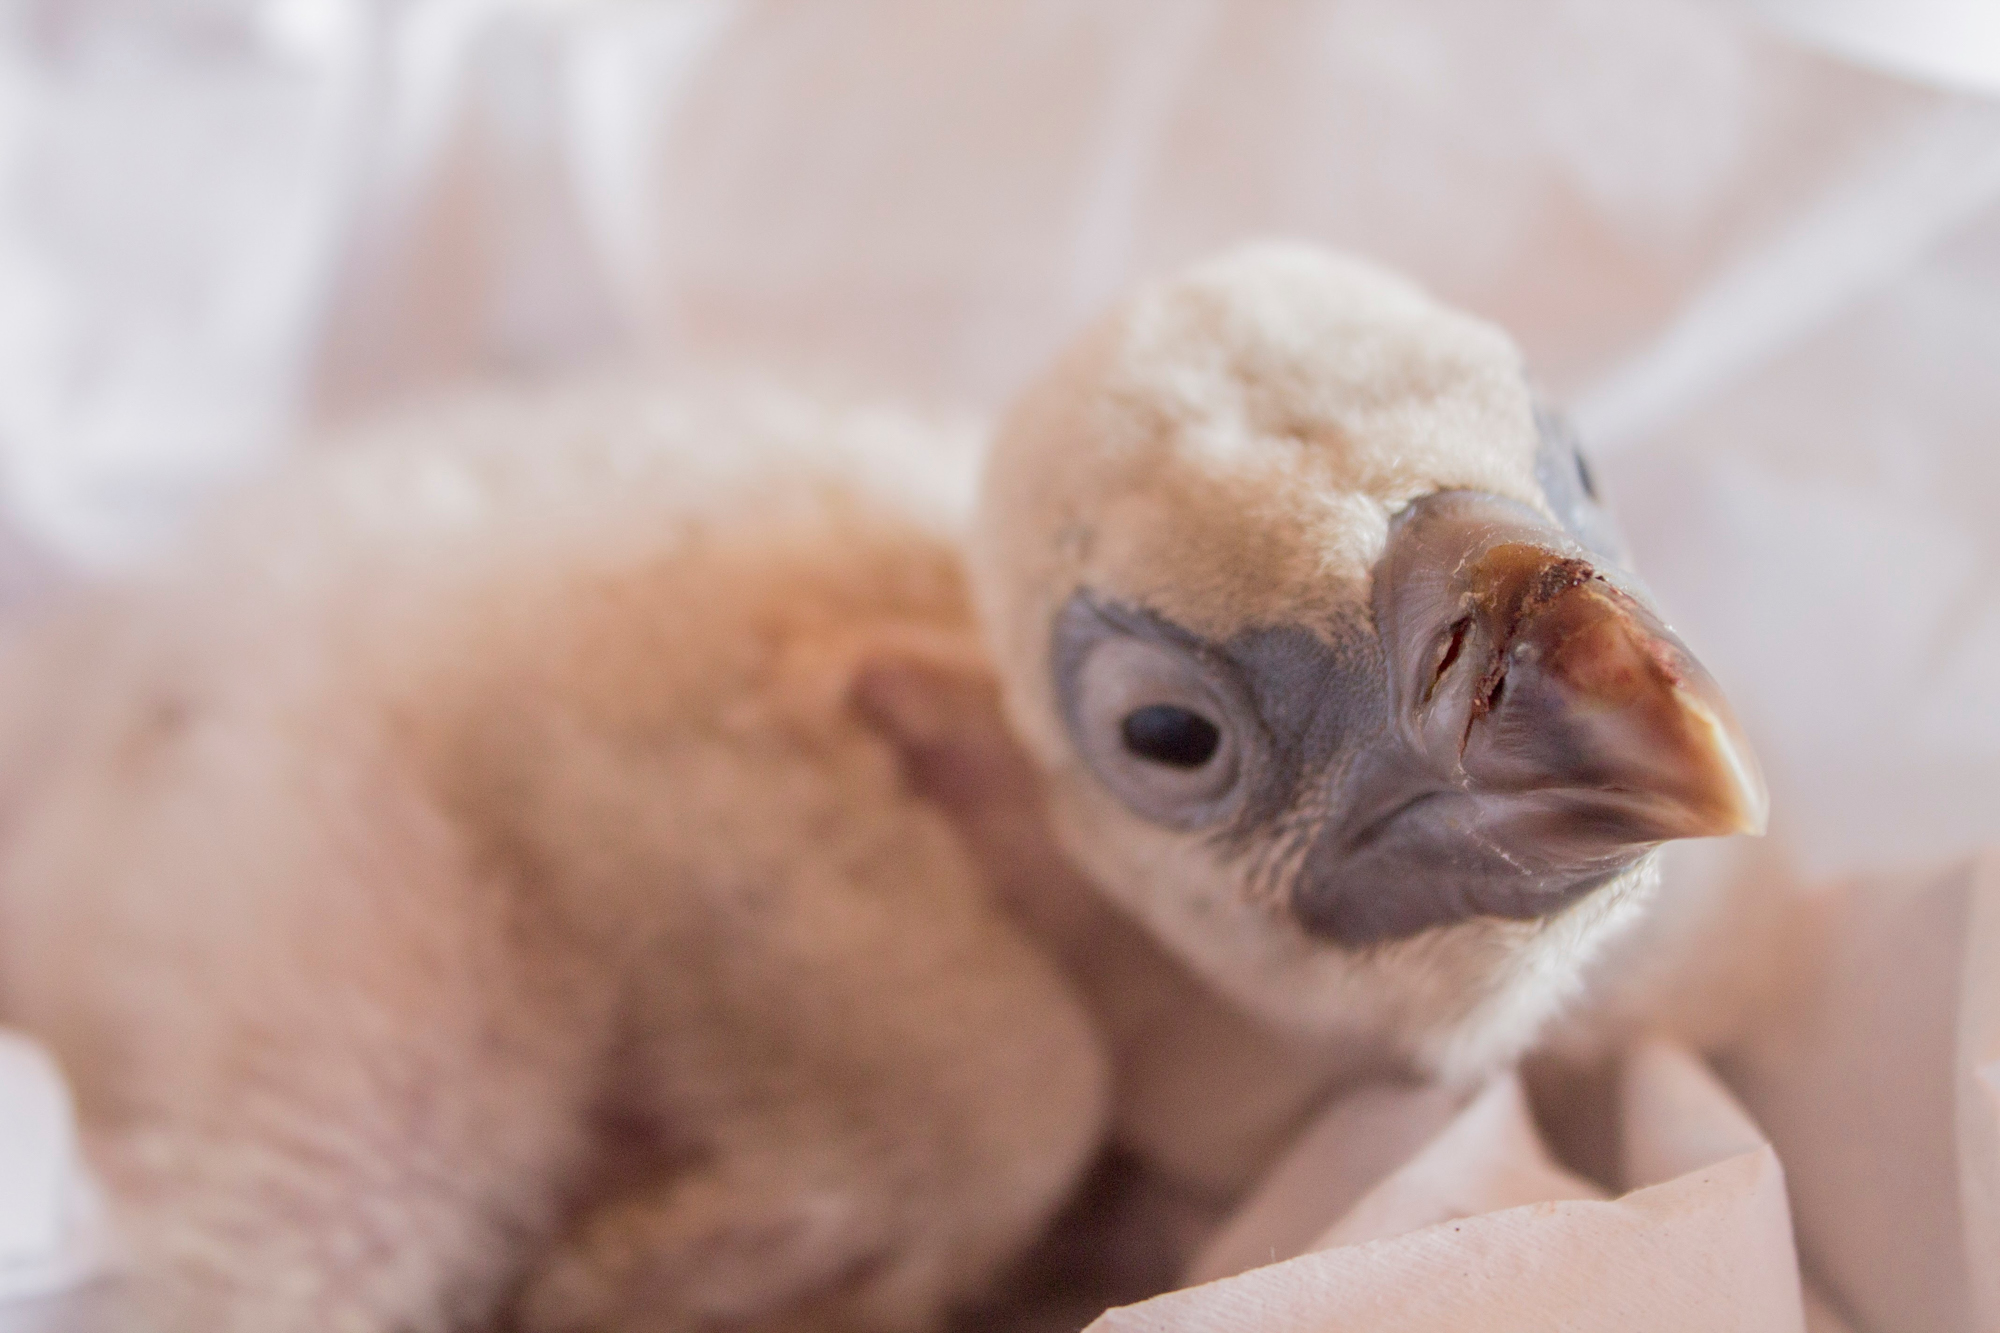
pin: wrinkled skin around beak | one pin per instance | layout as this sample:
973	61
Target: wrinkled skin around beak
1548	732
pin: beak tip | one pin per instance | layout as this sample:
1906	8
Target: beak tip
1740	798
1751	818
1755	817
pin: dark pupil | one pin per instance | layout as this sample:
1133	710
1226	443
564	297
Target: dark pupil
1169	735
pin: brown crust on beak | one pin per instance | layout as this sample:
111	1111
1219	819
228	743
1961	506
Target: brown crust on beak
1617	674
1511	586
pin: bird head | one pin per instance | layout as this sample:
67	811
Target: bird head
1331	658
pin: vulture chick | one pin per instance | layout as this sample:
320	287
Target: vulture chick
1331	658
581	868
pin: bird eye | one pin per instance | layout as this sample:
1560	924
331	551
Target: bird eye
1161	725
1165	734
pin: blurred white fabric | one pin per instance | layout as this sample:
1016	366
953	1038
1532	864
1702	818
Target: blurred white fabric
1765	273
51	1229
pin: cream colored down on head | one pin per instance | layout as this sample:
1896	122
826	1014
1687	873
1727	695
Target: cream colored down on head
1227	450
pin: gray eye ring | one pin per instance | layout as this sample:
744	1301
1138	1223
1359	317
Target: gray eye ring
1155	715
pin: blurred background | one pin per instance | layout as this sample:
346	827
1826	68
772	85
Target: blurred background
1755	248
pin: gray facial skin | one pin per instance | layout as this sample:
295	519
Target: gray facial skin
1571	489
1506	726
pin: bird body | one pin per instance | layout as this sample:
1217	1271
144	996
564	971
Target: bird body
471	863
589	864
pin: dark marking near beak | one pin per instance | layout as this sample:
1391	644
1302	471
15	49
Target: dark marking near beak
1454	645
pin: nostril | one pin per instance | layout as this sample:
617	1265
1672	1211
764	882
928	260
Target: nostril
1453	647
1486	697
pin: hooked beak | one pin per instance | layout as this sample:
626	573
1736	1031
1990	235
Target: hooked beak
1518	665
1549	730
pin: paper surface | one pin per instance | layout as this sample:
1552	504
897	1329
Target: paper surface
1861	1155
1482	1231
51	1231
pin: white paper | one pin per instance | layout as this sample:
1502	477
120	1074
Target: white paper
1955	42
1851	1189
1480	1230
51	1231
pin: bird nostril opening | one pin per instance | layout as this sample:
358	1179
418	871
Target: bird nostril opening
1453	647
1486	697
